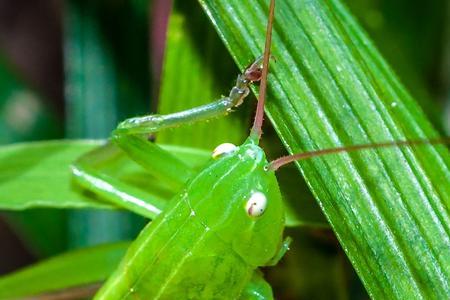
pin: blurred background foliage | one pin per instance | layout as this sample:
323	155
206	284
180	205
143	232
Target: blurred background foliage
73	69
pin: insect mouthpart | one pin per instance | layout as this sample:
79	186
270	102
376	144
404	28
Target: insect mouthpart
254	72
253	75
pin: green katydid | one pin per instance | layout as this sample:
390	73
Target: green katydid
224	224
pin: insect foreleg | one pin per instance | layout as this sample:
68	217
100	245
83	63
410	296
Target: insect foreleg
257	288
87	172
130	134
281	252
153	123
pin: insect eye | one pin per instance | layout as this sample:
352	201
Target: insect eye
256	204
223	149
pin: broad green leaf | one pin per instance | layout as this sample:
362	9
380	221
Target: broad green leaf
38	174
70	270
330	87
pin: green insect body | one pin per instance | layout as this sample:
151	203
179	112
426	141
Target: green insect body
211	238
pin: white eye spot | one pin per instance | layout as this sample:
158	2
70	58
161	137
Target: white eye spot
256	205
222	149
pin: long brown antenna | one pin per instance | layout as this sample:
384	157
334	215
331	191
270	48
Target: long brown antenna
259	116
274	165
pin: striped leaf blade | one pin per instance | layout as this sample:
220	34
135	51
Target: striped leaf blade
330	87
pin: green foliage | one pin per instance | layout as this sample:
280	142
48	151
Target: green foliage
330	87
107	79
37	174
70	270
26	115
197	70
107	75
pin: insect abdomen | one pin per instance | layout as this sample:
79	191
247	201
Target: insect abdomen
177	257
211	271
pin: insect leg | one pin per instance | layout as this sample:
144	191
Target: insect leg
132	134
153	123
283	249
87	172
98	172
157	161
257	288
160	163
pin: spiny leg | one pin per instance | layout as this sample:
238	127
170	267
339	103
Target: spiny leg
132	136
153	123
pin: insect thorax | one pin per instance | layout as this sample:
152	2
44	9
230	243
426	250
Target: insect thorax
242	204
